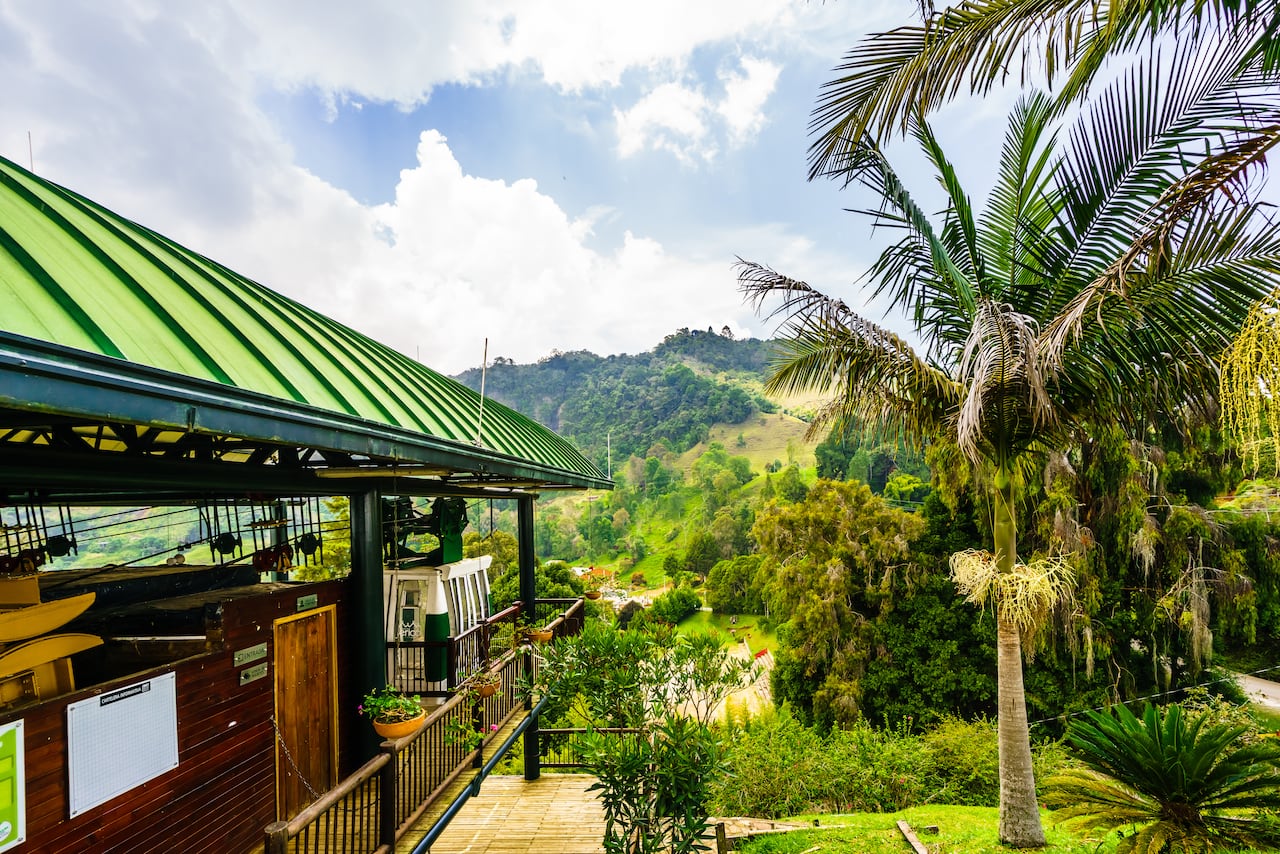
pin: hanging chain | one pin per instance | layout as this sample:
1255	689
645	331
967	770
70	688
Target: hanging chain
314	795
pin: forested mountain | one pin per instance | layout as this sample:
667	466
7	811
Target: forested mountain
671	394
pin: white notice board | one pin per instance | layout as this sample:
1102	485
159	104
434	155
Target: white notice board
121	739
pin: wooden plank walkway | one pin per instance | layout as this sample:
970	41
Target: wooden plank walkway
554	813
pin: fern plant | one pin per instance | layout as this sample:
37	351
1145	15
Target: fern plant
1182	782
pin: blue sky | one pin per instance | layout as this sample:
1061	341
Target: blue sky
549	174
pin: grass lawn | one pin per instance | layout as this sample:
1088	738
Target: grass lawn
748	626
971	830
961	830
1267	719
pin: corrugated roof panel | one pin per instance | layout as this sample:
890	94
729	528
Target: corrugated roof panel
77	275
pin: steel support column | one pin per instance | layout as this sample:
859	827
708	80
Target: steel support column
528	595
366	573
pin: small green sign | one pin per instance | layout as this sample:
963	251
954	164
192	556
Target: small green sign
253	674
306	603
13	789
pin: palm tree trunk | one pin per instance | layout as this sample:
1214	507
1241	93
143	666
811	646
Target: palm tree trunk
1019	813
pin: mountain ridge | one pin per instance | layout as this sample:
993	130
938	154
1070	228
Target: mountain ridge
621	405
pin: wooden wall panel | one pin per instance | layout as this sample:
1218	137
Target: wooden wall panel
222	794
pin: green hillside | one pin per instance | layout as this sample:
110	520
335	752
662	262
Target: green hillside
624	405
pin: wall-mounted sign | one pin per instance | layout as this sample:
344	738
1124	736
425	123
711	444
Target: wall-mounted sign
251	653
13	786
121	739
306	603
253	673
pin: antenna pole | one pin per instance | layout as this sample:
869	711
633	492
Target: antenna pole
484	369
31	153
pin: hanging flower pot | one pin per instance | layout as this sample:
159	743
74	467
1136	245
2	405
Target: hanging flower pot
394	715
399	729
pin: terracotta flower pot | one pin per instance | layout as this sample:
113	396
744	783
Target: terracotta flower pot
399	729
592	594
540	635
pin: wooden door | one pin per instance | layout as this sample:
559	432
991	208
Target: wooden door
306	709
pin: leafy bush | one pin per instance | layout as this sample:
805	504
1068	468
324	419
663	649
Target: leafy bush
779	767
967	757
674	605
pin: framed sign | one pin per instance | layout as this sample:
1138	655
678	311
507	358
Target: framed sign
13	786
121	739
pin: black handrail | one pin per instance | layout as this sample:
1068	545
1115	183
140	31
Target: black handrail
385	796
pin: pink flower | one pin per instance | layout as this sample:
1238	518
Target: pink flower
493	727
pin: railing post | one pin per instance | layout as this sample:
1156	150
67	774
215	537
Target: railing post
532	748
277	841
452	655
477	724
387	798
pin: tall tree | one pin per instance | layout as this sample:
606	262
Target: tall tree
1021	349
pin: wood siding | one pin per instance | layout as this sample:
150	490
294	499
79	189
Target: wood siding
223	792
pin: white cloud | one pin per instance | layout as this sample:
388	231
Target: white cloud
745	96
669	118
680	119
475	258
390	50
155	110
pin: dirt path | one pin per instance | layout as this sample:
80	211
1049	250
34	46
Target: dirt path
1263	692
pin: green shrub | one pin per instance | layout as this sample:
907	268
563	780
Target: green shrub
774	761
967	757
780	767
674	605
876	770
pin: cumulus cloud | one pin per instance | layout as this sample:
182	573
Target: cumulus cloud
475	258
680	119
156	111
745	95
389	50
670	118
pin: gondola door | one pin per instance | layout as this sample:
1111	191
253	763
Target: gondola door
306	709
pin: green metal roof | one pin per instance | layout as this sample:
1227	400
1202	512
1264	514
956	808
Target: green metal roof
78	276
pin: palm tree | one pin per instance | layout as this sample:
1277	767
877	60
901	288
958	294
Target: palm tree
977	44
1020	350
1191	784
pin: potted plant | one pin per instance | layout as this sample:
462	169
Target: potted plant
394	714
534	634
461	731
593	589
485	683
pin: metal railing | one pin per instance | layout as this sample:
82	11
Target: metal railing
473	651
560	748
371	810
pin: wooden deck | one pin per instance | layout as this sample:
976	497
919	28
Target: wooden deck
554	813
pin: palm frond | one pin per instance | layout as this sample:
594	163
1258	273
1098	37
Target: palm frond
1006	401
1182	305
890	77
941	292
1021	210
1134	143
1119	175
872	374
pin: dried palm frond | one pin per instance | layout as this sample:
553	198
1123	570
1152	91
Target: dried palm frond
1023	596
